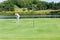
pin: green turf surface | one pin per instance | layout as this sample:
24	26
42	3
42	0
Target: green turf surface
41	29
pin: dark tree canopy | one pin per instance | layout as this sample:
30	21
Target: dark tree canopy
29	4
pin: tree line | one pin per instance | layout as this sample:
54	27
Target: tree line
29	4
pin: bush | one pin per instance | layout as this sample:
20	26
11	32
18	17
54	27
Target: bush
7	13
41	12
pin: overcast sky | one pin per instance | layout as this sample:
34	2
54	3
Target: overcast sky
2	0
51	0
42	0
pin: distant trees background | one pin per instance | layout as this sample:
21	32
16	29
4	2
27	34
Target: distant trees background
29	4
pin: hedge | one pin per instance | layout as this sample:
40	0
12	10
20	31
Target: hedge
31	13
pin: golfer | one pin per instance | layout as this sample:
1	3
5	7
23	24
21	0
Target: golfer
17	17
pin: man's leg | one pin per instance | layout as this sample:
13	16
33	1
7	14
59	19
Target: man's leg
17	20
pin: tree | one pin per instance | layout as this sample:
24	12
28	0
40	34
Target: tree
51	5
35	1
57	5
42	5
8	6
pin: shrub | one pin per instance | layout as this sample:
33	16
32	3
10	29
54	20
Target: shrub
41	12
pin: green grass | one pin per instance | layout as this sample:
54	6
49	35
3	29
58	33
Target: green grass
41	29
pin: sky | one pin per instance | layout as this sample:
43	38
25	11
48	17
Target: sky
51	0
2	0
42	0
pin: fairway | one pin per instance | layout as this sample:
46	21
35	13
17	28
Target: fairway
30	29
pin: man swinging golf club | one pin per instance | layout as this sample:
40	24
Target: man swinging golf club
17	16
